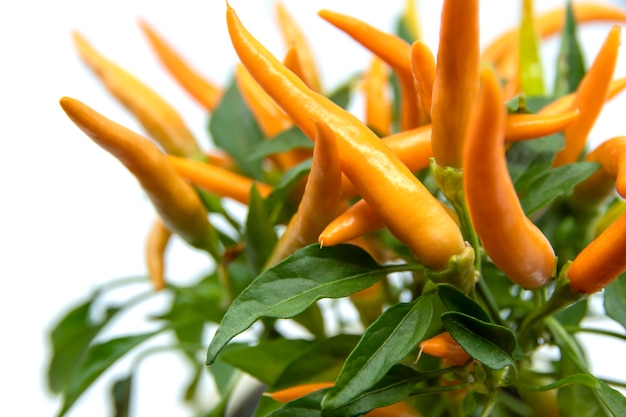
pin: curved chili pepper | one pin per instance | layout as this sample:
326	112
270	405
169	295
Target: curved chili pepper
516	245
293	393
378	175
295	40
423	67
320	201
611	155
204	92
156	244
520	127
590	97
217	180
551	23
456	80
394	51
160	120
566	102
445	347
174	199
614	211
377	98
603	260
400	409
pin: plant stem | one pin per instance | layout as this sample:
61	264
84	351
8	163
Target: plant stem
490	302
575	329
491	402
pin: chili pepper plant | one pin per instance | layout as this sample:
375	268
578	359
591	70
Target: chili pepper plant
415	258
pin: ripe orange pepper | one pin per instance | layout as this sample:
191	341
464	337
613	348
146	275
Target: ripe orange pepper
296	41
376	173
158	118
590	97
566	102
156	244
293	393
320	201
174	199
377	97
611	155
423	67
394	51
456	81
516	245
217	180
603	260
204	92
445	347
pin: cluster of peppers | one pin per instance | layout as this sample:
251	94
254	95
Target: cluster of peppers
430	187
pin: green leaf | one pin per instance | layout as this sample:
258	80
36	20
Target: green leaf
517	105
234	130
98	359
580	401
260	234
573	314
386	342
291	286
612	399
455	300
267	360
341	95
570	64
488	343
555	183
530	159
285	141
121	393
615	300
278	203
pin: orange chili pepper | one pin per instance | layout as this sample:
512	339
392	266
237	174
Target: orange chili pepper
217	180
320	200
156	244
566	102
293	393
611	155
530	126
445	347
158	118
400	409
173	198
456	80
551	23
296	41
603	260
394	51
204	92
590	97
377	174
423	67
377	98
516	245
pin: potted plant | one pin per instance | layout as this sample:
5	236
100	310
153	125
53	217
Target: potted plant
414	261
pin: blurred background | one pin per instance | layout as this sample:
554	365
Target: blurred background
72	218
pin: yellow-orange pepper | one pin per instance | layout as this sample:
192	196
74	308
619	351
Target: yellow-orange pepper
320	201
158	118
566	102
423	67
516	245
156	244
603	260
377	97
394	51
173	198
217	180
590	97
445	347
207	94
456	81
298	391
377	174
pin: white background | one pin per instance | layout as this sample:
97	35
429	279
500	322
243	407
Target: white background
72	217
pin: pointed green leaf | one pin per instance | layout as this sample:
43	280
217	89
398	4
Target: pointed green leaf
260	234
121	393
555	183
455	300
385	343
612	399
580	401
531	159
615	300
488	343
234	130
278	203
291	286
285	141
570	64
98	359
